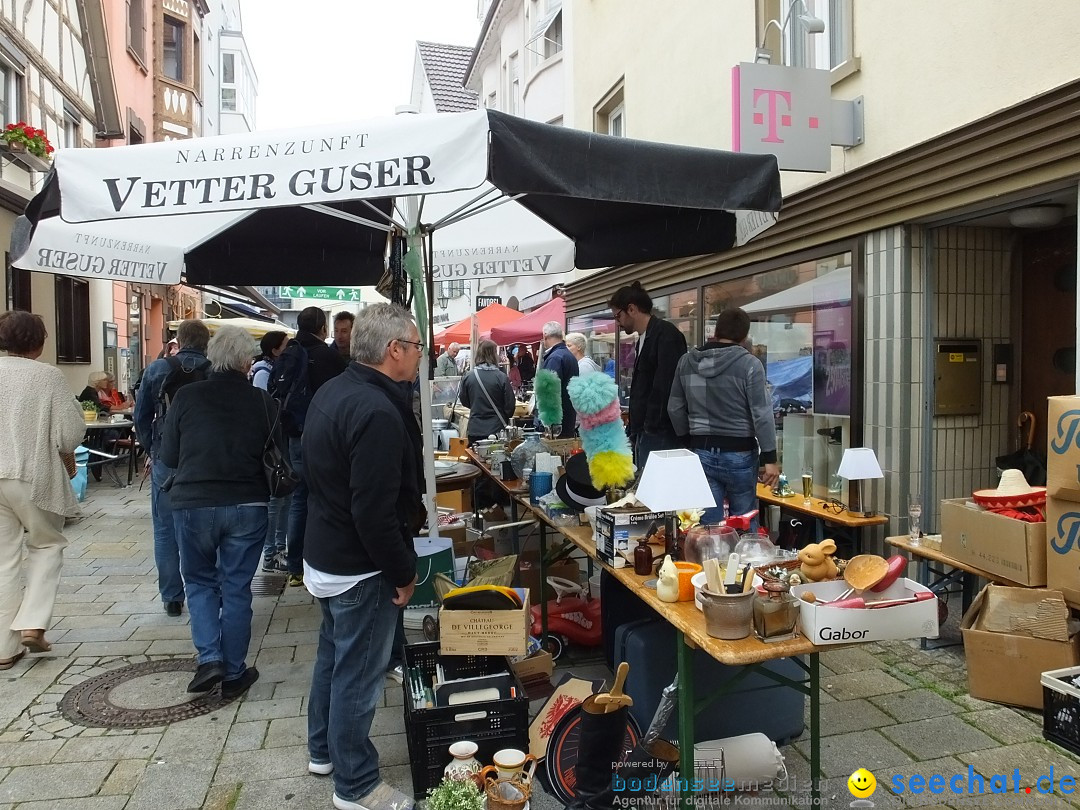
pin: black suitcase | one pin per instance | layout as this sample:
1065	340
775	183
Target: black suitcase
648	645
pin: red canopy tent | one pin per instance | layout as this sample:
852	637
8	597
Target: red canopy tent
528	329
490	316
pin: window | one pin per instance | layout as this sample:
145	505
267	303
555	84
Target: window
514	86
172	65
228	82
490	101
72	139
826	51
18	286
801	329
599	330
609	117
11	95
136	28
553	43
72	320
196	64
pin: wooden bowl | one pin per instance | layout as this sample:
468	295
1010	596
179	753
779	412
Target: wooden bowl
864	571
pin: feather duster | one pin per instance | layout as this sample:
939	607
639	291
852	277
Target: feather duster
596	399
548	390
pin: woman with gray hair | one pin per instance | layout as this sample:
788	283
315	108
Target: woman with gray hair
576	343
214	436
487	393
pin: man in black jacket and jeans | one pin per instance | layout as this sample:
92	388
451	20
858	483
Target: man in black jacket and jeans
324	363
659	348
359	560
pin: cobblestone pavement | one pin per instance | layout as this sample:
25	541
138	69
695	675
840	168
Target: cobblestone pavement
889	707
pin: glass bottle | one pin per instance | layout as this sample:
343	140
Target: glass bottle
776	613
524	454
643	558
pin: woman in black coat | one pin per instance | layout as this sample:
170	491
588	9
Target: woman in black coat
486	376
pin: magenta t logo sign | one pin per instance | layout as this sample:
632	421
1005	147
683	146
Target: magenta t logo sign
783	111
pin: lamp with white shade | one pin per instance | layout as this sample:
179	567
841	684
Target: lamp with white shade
859	464
674	480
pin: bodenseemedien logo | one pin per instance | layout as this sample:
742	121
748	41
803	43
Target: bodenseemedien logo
862	785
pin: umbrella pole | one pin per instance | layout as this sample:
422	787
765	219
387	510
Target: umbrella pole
414	267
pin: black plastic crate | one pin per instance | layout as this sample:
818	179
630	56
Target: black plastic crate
1061	708
492	725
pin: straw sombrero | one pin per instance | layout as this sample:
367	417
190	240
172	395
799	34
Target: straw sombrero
1013	492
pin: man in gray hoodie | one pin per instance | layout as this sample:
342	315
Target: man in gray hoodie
718	398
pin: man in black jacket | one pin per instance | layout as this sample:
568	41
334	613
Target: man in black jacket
324	363
659	348
359	560
558	358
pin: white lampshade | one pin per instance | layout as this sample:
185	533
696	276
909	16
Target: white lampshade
858	464
674	480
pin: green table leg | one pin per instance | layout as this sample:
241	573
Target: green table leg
685	669
815	726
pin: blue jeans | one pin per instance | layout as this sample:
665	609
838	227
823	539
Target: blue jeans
277	525
166	553
347	684
297	511
732	474
647	442
220	547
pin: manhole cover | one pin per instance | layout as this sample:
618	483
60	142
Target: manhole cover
268	584
139	696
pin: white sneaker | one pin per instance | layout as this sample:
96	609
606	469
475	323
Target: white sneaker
396	673
382	797
320	768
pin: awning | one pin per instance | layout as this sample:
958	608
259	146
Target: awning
530	328
489	317
544	24
253	327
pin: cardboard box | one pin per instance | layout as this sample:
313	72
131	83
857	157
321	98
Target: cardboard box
538	665
1063	548
1006	667
1031	612
1063	448
618	530
1002	546
485	632
823	625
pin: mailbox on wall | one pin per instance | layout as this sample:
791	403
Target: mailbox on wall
957	378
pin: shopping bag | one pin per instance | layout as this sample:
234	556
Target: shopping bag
434	555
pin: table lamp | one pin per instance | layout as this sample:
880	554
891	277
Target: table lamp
858	464
674	480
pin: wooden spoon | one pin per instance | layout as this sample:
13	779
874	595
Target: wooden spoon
865	571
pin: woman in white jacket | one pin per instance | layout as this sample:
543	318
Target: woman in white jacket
39	419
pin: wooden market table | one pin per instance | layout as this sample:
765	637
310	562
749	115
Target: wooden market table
848	520
749	653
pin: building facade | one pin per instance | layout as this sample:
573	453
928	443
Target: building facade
941	245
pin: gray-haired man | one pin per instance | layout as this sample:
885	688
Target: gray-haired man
557	358
360	442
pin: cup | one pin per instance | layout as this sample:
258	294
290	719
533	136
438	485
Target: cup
686	575
914	511
514	764
539	486
807	486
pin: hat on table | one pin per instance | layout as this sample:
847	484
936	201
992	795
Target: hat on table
1013	492
575	487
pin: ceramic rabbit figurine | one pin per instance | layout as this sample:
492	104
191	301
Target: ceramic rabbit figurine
817	562
667	586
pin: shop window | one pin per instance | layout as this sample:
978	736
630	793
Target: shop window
802	331
600	330
172	64
72	320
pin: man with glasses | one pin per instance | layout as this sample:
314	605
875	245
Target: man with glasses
718	399
364	468
659	347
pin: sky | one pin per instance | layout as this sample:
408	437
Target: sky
326	61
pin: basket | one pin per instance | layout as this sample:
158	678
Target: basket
495	801
1061	708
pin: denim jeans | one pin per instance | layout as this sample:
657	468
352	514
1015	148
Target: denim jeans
220	548
297	510
166	553
347	684
732	474
277	525
647	442
397	654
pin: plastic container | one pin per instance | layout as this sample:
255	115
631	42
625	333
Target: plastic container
539	485
492	725
1061	708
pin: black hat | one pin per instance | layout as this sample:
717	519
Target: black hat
575	487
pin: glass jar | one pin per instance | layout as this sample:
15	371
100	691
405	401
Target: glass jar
776	614
709	543
524	454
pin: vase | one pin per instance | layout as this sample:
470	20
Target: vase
524	455
464	764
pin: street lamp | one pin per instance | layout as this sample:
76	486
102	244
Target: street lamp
812	24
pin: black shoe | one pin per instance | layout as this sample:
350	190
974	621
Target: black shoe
237	686
173	608
207	676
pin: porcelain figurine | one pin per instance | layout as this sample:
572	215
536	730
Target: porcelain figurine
667	586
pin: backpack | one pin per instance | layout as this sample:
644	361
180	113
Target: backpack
179	375
290	385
